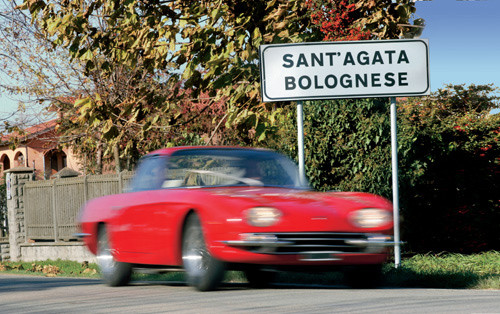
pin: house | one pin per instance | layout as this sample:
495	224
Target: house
37	148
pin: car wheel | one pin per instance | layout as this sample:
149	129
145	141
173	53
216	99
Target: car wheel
258	278
204	272
363	276
113	273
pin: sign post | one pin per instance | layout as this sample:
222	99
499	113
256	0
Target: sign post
300	140
395	182
347	69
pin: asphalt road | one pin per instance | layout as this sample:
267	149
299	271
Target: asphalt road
27	294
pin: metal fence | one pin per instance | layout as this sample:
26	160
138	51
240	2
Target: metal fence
51	207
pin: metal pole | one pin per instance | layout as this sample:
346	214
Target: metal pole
395	186
300	138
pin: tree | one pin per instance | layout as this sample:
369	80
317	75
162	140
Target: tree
187	48
361	20
30	70
147	59
201	48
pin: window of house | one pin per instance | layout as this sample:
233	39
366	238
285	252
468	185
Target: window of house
5	163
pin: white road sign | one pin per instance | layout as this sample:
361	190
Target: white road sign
348	69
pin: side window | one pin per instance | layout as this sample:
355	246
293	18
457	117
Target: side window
149	175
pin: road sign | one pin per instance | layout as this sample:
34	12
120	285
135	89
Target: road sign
348	69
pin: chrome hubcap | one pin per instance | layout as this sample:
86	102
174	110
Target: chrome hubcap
105	259
195	254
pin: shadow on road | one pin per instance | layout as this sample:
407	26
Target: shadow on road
231	286
13	283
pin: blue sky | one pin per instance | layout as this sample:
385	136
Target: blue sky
464	40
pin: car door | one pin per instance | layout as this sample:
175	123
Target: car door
142	223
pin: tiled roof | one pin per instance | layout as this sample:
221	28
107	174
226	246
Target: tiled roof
33	130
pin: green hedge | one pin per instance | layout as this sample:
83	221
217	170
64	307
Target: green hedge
449	171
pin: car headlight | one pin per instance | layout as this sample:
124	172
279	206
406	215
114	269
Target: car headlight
262	216
371	217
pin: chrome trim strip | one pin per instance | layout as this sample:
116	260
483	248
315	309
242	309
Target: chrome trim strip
258	243
363	243
320	259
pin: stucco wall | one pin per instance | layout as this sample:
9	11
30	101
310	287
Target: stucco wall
34	156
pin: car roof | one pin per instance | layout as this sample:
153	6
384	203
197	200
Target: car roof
170	150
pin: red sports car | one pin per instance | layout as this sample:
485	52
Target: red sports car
211	209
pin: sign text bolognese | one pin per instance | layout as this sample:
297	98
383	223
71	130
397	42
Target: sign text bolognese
344	70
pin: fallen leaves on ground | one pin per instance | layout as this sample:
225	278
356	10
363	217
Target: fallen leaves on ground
48	270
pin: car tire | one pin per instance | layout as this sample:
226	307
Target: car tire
204	272
363	276
113	273
258	278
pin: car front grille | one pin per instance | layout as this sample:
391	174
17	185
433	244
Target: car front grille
298	243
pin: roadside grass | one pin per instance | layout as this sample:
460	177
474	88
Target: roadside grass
477	271
457	271
50	268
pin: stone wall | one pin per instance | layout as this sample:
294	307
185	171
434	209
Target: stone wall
31	238
4	251
15	209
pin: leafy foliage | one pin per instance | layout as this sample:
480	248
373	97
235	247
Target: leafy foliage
347	144
145	60
361	20
449	161
450	169
335	19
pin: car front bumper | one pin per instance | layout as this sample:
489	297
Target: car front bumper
307	247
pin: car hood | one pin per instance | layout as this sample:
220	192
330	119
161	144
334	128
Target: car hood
319	210
283	197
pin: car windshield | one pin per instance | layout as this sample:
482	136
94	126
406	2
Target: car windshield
231	167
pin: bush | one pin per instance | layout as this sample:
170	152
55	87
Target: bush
450	170
449	163
347	144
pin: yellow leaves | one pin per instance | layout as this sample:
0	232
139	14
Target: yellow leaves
52	25
254	93
82	103
188	72
278	13
89	271
216	14
383	19
109	131
23	6
284	33
87	56
280	25
34	6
